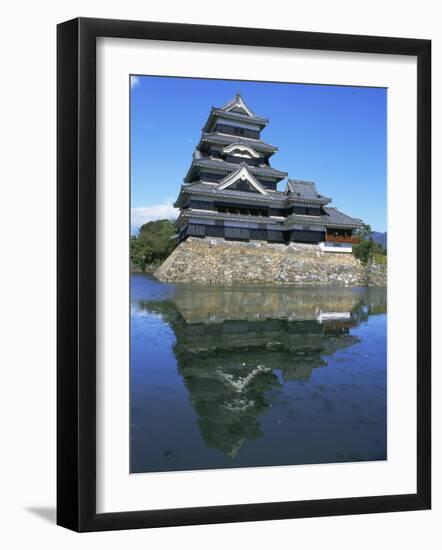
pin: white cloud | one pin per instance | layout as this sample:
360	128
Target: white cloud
144	214
134	82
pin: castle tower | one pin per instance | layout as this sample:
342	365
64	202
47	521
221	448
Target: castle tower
231	191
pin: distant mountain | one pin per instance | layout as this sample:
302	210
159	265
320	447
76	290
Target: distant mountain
380	238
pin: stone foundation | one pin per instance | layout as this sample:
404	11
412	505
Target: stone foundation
217	261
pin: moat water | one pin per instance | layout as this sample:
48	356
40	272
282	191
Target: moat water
249	376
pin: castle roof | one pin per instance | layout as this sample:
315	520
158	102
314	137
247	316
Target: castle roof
243	173
237	105
275	198
219	165
332	218
303	189
235	109
225	139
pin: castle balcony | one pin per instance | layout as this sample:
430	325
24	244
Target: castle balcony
342	239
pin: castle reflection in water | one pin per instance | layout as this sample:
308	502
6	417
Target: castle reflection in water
236	347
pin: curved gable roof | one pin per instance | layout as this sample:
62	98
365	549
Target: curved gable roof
244	175
237	104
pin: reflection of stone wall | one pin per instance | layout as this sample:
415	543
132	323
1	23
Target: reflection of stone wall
216	261
210	304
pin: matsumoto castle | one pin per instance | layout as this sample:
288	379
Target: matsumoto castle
231	190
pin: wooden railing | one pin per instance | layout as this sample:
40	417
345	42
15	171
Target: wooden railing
341	239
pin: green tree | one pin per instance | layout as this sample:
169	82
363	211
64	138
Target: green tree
364	231
367	250
152	245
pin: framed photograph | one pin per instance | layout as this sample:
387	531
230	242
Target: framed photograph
244	246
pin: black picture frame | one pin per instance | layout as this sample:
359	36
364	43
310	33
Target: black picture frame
76	273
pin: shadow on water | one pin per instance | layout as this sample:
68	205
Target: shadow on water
236	348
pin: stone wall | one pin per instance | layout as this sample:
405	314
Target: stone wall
216	261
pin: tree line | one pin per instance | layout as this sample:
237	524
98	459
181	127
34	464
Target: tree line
152	245
367	250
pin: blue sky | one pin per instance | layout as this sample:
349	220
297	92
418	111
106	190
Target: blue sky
332	135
